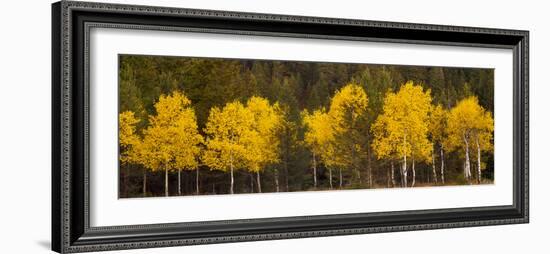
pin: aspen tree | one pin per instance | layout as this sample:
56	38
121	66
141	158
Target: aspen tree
129	143
187	144
348	113
171	142
228	134
438	125
319	138
401	131
469	124
263	143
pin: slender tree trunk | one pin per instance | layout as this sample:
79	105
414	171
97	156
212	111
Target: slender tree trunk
314	171
231	169
276	180
404	167
392	175
179	182
340	171
197	182
232	181
144	182
467	171
330	178
433	167
251	183
413	172
259	182
166	181
442	164
478	161
404	171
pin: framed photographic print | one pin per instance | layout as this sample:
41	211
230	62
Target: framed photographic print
181	126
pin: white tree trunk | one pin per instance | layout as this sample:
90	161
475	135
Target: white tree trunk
276	180
433	167
404	166
467	171
404	172
197	181
478	161
259	182
232	180
392	175
231	169
442	164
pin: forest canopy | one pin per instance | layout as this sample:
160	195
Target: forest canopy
191	126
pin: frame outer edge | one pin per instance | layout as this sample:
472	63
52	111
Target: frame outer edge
188	12
526	137
65	105
56	127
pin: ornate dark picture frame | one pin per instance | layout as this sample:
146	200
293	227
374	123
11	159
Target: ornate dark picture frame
71	23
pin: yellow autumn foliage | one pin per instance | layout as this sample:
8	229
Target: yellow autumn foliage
319	135
263	143
438	124
402	129
172	140
469	123
348	107
247	136
228	131
128	139
348	121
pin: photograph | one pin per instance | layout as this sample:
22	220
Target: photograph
209	126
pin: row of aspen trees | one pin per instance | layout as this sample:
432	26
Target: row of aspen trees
247	135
